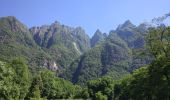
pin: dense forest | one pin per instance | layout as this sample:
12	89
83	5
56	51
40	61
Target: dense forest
98	74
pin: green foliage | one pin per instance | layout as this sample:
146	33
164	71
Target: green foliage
150	82
84	94
63	45
36	92
22	77
112	57
56	88
100	96
63	55
15	79
158	41
18	42
101	88
16	83
8	86
39	46
35	88
97	38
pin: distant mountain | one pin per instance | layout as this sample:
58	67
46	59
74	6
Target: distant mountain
120	53
71	53
13	30
48	36
16	41
63	43
112	57
97	37
134	36
131	34
52	46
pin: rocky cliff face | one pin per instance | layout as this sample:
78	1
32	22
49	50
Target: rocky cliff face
47	36
63	43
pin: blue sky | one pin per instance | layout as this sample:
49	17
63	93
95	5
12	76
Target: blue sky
89	14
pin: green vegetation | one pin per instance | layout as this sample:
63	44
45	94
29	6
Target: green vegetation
102	73
109	58
16	83
38	46
15	80
150	82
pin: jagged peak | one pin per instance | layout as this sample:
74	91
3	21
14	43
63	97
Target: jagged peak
56	22
97	37
126	24
98	32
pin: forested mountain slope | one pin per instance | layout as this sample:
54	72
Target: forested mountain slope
116	55
53	47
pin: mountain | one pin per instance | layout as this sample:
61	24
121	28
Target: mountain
134	36
97	38
63	43
67	50
52	46
110	58
99	70
16	41
48	36
130	34
10	27
121	52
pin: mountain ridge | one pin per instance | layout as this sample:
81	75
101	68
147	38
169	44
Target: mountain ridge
68	50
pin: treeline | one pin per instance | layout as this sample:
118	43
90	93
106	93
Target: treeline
17	83
151	82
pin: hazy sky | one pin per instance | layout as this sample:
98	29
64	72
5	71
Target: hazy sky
89	14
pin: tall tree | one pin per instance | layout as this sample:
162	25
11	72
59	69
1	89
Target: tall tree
22	77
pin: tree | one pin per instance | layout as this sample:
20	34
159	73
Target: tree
100	96
8	87
22	76
105	85
57	88
158	42
152	81
35	91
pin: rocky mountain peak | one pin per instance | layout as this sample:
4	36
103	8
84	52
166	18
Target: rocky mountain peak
97	37
126	26
98	32
57	22
58	34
